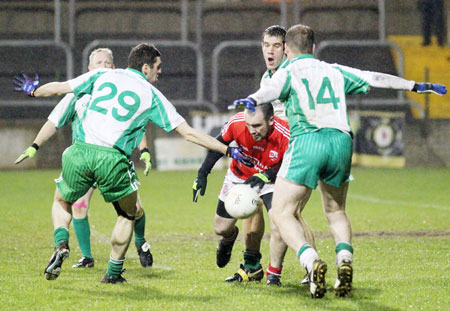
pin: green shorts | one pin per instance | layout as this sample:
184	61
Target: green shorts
324	155
84	164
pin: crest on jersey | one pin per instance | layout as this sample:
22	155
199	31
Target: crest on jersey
273	155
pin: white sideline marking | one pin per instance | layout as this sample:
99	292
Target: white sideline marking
395	202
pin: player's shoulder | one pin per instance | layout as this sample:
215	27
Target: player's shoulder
236	121
281	127
237	117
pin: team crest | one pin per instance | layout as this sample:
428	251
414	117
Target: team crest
273	155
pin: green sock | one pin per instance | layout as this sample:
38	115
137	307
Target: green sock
83	233
252	259
60	234
302	249
115	267
139	230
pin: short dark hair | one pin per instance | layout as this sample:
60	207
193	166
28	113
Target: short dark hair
274	31
300	37
267	110
144	53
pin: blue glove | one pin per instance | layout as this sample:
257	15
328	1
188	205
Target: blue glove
249	103
26	85
425	87
236	153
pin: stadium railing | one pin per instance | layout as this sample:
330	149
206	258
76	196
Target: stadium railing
215	68
27	57
159	43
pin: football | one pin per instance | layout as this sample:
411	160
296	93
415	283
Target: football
242	201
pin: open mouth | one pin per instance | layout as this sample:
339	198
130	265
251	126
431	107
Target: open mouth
270	61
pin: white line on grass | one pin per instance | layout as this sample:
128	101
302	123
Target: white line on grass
395	202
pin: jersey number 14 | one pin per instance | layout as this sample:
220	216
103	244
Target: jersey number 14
320	99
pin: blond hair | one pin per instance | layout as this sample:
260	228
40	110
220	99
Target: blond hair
104	50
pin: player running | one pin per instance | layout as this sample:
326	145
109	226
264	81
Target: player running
320	148
264	139
122	103
70	110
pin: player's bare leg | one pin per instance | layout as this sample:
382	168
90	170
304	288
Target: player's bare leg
278	247
82	229
253	228
61	216
226	228
120	239
287	199
277	252
334	199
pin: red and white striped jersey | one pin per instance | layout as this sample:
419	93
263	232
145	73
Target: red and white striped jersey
265	154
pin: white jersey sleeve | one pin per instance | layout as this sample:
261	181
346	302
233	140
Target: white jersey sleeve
163	113
378	79
277	87
68	110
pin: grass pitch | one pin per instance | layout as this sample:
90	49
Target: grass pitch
400	220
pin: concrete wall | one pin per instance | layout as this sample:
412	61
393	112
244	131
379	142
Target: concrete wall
427	143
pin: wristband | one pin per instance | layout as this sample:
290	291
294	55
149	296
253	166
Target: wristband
144	150
35	146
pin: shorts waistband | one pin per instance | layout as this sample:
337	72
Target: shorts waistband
96	147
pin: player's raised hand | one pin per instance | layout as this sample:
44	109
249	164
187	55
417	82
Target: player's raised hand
199	186
146	158
30	152
236	153
257	180
425	87
26	85
249	103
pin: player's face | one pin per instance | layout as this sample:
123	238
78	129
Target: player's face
101	60
273	51
257	125
155	71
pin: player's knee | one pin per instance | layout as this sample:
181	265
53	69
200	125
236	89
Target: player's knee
223	229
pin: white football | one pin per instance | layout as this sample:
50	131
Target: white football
242	201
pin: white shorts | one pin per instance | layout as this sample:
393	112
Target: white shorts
230	180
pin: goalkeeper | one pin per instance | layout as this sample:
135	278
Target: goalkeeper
63	114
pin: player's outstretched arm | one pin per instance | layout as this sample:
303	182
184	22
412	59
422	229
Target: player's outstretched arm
46	131
32	87
202	139
387	81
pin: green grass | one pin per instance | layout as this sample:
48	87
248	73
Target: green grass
400	219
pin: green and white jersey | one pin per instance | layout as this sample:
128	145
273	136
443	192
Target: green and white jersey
122	103
314	92
278	106
69	110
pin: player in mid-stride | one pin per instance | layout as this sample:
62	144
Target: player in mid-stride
69	110
320	149
122	103
264	139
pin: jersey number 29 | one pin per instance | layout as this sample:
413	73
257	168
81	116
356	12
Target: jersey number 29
131	109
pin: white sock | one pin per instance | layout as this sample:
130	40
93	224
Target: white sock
307	258
343	255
